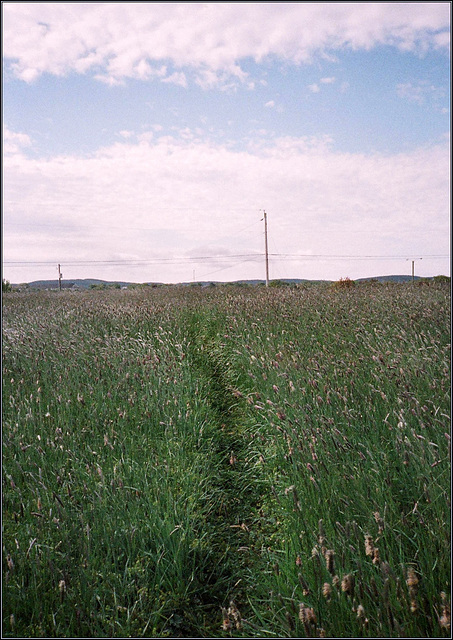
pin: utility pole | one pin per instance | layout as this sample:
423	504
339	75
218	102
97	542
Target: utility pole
413	268
60	275
266	249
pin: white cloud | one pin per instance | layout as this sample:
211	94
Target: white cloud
270	104
14	142
314	88
115	41
419	92
177	78
166	197
329	80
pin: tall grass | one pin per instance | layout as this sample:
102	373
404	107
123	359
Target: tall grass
246	462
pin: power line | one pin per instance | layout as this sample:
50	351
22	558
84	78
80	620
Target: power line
134	262
297	256
189	259
224	268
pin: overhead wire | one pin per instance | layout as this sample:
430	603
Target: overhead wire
247	256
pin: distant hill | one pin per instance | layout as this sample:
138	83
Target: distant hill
391	279
89	283
72	284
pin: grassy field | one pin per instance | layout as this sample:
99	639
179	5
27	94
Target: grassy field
233	461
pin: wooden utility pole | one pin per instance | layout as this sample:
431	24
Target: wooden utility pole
266	249
413	269
60	275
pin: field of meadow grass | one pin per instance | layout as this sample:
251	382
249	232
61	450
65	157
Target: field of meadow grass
227	462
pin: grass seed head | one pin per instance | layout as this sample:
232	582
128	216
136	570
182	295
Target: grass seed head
62	589
445	618
379	521
307	615
289	620
327	590
360	612
330	564
10	562
376	558
412	581
233	613
226	623
303	584
369	546
347	584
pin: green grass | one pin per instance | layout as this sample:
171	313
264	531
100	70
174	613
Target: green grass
167	452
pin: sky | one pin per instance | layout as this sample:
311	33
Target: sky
143	142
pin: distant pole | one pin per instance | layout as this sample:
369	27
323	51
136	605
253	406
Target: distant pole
60	275
266	249
413	268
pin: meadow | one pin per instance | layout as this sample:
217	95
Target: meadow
227	462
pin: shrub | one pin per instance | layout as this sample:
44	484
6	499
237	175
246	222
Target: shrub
344	283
